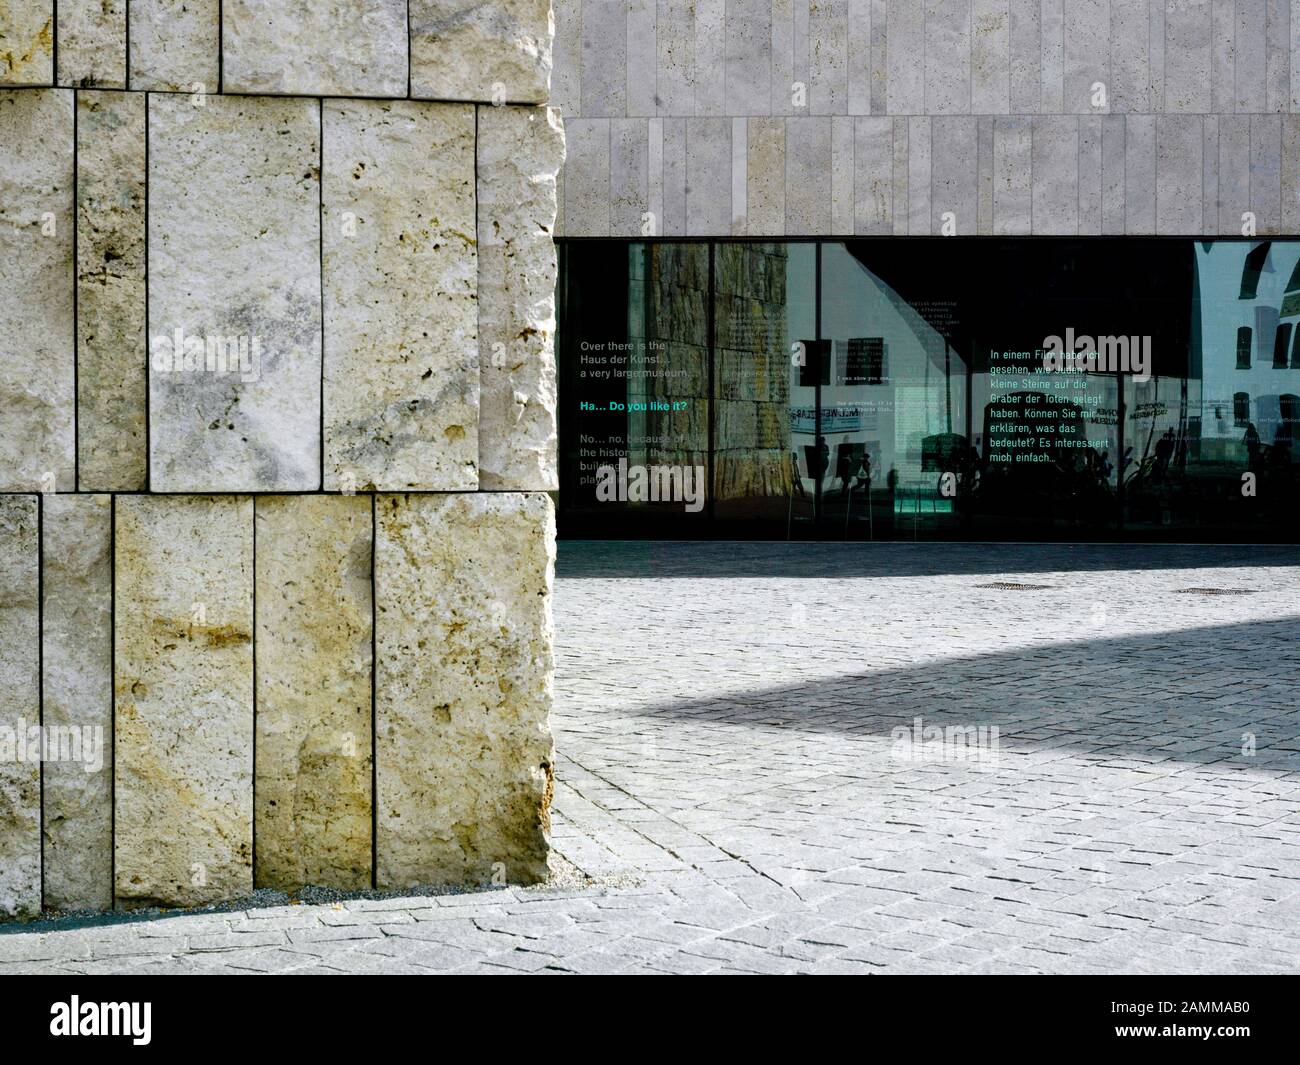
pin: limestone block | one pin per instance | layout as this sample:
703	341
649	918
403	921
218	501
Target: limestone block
313	795
26	42
20	709
315	47
520	151
463	687
234	271
92	43
36	291
111	352
77	633
184	699
175	45
400	283
499	50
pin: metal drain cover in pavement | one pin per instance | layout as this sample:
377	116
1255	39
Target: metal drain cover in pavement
1214	591
1012	586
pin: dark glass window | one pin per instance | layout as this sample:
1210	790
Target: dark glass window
1252	270
1241	409
881	389
1281	342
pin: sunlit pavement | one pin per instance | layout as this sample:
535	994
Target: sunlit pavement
1103	777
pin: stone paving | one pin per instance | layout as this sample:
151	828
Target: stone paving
739	789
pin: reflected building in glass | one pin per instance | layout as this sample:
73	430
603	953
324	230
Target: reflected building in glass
899	389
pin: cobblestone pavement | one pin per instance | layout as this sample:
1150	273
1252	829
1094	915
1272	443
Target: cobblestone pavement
733	796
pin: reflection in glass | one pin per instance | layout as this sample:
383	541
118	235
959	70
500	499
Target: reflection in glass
884	389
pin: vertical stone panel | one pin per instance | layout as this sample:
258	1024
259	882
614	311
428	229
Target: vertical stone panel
36	291
1091	180
1251	50
604	60
710	73
1130	56
77	632
463	687
314	726
749	56
628	175
948	57
842	176
1266	171
184	699
586	178
111	351
1294	49
1277	59
765	176
984	177
901	138
1178	174
519	151
26	42
739	176
654	175
920	175
674	222
1012	169
1052	24
1234	172
314	47
708	176
1291	173
1223	67
400	276
990	57
954	172
1026	56
873	160
1056	174
566	78
1140	173
1188	65
879	58
808	176
20	708
1210	176
92	43
1086	53
859	57
1113	206
905	84
234	258
175	45
498	50
828	62
675	45
1156	35
642	58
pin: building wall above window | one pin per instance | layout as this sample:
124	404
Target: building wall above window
1000	117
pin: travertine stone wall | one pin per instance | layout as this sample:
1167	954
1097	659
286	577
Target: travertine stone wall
277	421
77	695
846	117
440	559
20	707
